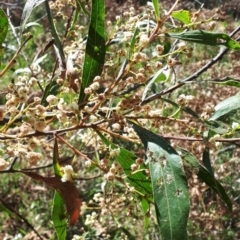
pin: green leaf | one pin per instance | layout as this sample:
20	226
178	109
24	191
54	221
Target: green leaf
58	210
226	107
132	47
3	26
138	180
56	165
192	164
95	49
81	5
210	180
52	88
182	15
131	50
27	10
160	76
216	126
122	69
207	38
58	44
156	9
59	217
169	183
145	208
185	109
228	81
207	161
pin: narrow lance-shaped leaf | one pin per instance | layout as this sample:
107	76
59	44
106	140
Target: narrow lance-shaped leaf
133	43
3	30
52	88
226	106
169	185
125	64
192	164
82	7
58	47
208	38
58	209
95	49
3	26
156	9
27	10
228	81
207	161
216	126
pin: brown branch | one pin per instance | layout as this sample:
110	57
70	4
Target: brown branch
114	134
73	148
52	132
180	83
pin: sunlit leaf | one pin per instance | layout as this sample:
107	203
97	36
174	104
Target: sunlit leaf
156	9
182	15
27	10
59	217
146	209
169	183
226	107
138	180
207	38
95	49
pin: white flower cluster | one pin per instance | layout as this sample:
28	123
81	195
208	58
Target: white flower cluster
68	173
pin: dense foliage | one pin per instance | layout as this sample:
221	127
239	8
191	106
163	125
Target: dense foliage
118	123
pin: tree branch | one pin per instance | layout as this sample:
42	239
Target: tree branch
6	205
180	83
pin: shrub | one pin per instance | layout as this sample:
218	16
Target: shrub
80	107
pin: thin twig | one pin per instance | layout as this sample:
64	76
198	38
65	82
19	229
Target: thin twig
6	205
52	132
12	61
114	134
180	83
73	148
